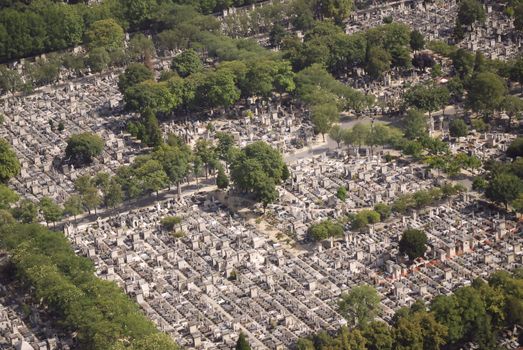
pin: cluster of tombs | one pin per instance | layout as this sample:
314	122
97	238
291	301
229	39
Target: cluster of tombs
39	125
311	192
496	37
283	127
219	273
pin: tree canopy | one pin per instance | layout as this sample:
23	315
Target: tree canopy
413	243
360	306
325	229
82	148
9	164
187	63
257	169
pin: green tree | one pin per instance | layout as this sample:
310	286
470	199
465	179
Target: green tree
150	96
486	93
134	74
91	198
26	211
10	80
417	41
276	35
51	211
82	148
217	90
463	62
516	71
222	181
205	150
504	188
257	169
187	63
415	124
325	229
418	329
106	33
283	77
323	117
242	343
7	197
364	218
515	149
379	336
138	12
73	206
156	341
479	63
458	128
141	48
447	312
360	306
151	175
341	193
98	59
225	143
427	97
113	194
518	16
336	9
470	11
9	164
378	62
64	25
152	129
305	344
413	243
175	160
513	106
384	210
170	222
336	133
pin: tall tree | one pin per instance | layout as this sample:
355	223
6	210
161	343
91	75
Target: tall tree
336	133
141	48
51	211
415	124
175	161
378	62
105	33
323	117
504	188
463	62
379	336
73	205
361	305
135	73
150	96
9	164
413	243
242	343
470	11
417	41
486	93
187	63
82	148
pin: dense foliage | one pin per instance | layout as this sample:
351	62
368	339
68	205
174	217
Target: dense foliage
100	314
477	313
257	169
325	229
82	148
9	164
